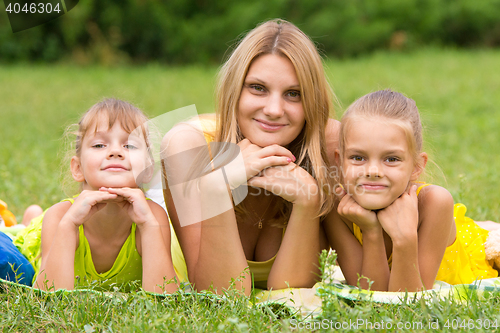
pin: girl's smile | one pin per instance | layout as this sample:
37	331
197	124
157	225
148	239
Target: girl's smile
270	107
377	164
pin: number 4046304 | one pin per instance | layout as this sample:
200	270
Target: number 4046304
32	8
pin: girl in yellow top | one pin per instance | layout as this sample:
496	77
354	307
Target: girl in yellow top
109	232
381	230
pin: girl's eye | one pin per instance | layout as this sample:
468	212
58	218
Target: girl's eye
130	146
357	158
99	145
392	159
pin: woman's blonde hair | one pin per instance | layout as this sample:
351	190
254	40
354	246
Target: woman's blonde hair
395	108
284	39
110	111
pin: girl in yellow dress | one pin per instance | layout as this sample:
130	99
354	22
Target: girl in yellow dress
391	232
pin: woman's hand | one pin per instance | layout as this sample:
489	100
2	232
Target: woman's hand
257	158
134	202
351	211
400	219
290	182
87	204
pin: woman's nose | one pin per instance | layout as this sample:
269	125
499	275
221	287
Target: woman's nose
274	106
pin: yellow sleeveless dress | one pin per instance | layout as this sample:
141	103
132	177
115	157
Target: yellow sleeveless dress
126	268
464	261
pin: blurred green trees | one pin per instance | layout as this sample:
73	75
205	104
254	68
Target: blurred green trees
187	31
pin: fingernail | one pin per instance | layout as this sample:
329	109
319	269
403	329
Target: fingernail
294	158
288	160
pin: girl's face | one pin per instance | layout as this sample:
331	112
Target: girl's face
110	158
377	164
270	107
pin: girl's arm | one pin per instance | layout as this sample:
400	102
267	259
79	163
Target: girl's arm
356	261
154	231
60	238
418	250
436	230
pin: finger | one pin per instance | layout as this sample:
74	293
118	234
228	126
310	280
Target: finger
245	143
124	192
276	150
339	191
273	161
413	192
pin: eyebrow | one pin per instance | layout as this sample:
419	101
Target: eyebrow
386	152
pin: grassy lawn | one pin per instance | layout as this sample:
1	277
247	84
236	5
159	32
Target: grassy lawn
456	91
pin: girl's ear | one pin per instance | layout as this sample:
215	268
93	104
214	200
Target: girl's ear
76	169
419	168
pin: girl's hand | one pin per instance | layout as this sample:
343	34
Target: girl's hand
87	204
257	158
349	210
134	202
290	182
400	219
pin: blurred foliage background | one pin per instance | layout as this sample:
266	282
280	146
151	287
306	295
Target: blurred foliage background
200	31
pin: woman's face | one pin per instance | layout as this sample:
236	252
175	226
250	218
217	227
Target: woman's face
270	107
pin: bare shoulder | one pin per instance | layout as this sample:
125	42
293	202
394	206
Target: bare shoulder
435	204
55	213
435	195
158	212
182	137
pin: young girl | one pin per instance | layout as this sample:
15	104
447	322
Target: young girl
388	228
273	103
108	233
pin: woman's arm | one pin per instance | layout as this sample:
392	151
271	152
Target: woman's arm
210	240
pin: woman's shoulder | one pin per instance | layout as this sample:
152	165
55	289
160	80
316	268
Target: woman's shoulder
332	139
187	135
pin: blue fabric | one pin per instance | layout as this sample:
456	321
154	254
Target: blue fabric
13	263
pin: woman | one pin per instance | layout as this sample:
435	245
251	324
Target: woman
274	103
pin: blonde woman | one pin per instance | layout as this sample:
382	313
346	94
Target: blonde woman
274	103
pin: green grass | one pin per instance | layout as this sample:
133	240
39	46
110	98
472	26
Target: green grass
456	91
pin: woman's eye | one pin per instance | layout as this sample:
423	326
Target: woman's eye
294	94
257	87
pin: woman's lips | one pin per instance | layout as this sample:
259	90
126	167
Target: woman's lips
269	126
